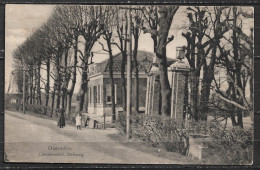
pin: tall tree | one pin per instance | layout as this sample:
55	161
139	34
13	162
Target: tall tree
109	23
136	33
91	29
159	19
235	61
206	29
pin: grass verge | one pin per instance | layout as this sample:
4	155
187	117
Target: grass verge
144	147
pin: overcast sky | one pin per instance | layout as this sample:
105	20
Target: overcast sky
20	22
23	19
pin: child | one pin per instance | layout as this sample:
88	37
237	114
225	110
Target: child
78	121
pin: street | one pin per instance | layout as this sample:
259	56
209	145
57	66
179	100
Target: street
34	139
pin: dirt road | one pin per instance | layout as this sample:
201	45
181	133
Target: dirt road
34	139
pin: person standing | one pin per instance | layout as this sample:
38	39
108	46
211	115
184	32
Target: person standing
78	121
61	118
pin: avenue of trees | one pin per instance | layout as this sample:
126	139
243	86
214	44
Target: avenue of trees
217	42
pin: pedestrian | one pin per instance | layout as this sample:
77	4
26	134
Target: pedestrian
61	118
78	121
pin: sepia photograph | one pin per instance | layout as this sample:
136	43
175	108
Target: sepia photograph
129	84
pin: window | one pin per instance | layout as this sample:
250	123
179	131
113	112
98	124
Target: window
115	94
101	91
98	94
109	92
90	95
95	95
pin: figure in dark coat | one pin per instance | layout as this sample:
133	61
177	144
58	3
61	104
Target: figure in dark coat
61	118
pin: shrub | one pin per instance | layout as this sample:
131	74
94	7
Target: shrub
13	106
229	146
157	131
121	123
38	109
235	143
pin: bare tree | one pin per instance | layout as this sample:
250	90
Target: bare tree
233	60
91	28
206	29
159	20
109	24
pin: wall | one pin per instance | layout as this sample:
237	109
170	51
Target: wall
118	82
103	107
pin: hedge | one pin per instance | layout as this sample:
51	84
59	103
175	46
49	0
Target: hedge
229	146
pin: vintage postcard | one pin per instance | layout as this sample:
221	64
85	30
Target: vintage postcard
129	84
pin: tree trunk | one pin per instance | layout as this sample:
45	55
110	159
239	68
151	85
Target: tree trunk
194	83
164	23
205	92
31	87
52	101
58	85
208	76
124	56
47	86
65	81
108	40
160	94
165	86
83	88
34	86
69	100
230	92
73	79
237	65
84	79
63	98
39	100
136	36
58	81
112	85
251	84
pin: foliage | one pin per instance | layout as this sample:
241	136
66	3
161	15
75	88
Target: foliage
236	144
157	131
13	106
229	146
38	109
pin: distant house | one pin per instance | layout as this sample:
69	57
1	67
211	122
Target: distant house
99	85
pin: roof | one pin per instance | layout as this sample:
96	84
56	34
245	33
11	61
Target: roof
144	59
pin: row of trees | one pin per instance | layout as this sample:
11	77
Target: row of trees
49	49
215	39
216	42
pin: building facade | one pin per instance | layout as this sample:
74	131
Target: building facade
99	84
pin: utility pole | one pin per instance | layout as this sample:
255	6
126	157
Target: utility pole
129	62
129	81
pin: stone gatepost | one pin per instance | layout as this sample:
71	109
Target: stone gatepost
179	84
152	91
